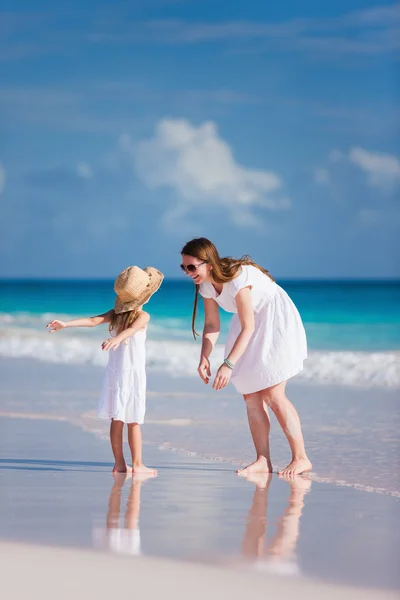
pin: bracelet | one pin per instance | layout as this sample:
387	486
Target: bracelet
229	363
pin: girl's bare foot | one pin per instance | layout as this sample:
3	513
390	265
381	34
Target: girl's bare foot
261	465
121	468
296	467
142	469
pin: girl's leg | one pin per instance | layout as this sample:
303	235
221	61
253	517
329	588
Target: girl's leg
289	420
135	444
116	438
257	414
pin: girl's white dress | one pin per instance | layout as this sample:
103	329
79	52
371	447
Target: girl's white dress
278	346
124	390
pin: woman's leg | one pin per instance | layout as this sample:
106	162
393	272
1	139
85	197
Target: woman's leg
135	444
289	420
116	438
257	414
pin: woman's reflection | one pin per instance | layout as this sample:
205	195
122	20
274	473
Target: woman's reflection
116	538
279	554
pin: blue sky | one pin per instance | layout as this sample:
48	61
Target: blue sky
128	128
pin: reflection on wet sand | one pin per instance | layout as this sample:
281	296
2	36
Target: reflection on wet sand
126	539
278	555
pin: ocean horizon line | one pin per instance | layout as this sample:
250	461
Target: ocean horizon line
291	280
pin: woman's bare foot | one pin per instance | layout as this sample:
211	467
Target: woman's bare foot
296	467
142	469
261	465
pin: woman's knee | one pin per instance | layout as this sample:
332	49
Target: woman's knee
273	397
252	400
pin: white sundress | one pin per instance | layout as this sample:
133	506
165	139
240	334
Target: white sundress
278	346
124	390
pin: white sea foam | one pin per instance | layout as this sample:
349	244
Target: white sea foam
180	359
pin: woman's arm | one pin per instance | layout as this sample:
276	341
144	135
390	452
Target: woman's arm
210	335
211	326
139	323
56	325
246	317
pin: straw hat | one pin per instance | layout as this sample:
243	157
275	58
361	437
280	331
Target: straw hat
134	287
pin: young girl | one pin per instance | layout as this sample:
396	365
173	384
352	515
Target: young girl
266	344
123	399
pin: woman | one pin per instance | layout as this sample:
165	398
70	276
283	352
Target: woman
266	344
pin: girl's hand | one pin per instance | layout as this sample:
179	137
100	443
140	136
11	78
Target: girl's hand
204	369
111	344
222	377
55	326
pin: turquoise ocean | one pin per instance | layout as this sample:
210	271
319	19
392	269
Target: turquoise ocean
353	327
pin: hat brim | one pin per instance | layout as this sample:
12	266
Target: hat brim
154	285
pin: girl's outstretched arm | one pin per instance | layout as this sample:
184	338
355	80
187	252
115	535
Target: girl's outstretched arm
139	323
56	325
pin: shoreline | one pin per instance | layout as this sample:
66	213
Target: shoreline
351	436
208	457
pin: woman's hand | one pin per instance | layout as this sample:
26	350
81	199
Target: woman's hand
55	326
222	377
204	369
111	343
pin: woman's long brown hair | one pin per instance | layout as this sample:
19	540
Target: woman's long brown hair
223	269
120	322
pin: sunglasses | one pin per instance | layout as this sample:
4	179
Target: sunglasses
192	268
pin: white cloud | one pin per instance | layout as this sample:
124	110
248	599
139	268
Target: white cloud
321	176
2	178
382	170
84	171
199	166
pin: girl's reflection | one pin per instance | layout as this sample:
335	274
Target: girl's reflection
279	554
125	539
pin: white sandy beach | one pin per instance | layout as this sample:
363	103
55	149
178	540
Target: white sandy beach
65	574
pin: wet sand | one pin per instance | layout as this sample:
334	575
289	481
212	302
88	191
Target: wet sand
58	490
